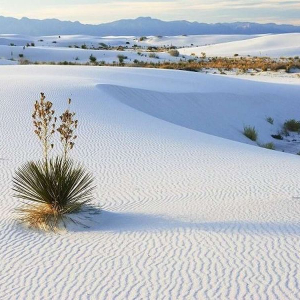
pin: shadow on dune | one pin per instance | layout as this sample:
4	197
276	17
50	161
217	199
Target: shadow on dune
106	221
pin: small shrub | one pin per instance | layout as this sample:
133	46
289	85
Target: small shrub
270	120
122	58
32	44
174	52
142	38
21	55
270	146
292	125
83	46
103	45
250	132
93	59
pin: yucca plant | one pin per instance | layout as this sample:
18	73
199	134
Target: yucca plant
52	188
52	191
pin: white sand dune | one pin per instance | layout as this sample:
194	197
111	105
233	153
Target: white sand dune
56	49
197	40
185	214
80	56
78	40
268	45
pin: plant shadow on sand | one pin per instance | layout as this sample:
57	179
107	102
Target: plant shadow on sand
107	221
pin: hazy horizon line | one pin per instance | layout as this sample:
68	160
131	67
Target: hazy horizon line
145	17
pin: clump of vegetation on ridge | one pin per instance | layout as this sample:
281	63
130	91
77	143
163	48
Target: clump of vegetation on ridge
250	133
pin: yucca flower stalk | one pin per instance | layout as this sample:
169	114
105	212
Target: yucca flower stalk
67	130
44	123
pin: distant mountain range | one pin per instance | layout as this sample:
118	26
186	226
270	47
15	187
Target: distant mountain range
137	27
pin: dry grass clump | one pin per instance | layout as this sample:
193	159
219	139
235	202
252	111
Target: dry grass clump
269	146
250	132
55	187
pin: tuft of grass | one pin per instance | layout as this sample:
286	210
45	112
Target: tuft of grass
51	190
270	146
250	132
270	120
292	125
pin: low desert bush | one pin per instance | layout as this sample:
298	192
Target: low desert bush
93	59
174	52
292	125
122	58
250	132
53	187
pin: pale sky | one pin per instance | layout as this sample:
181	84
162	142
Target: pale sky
208	11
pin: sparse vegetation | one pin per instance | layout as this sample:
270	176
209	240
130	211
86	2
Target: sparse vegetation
270	120
250	133
240	64
292	125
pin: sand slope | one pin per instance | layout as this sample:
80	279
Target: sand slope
185	215
269	45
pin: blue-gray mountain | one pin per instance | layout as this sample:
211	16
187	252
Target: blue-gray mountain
137	27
